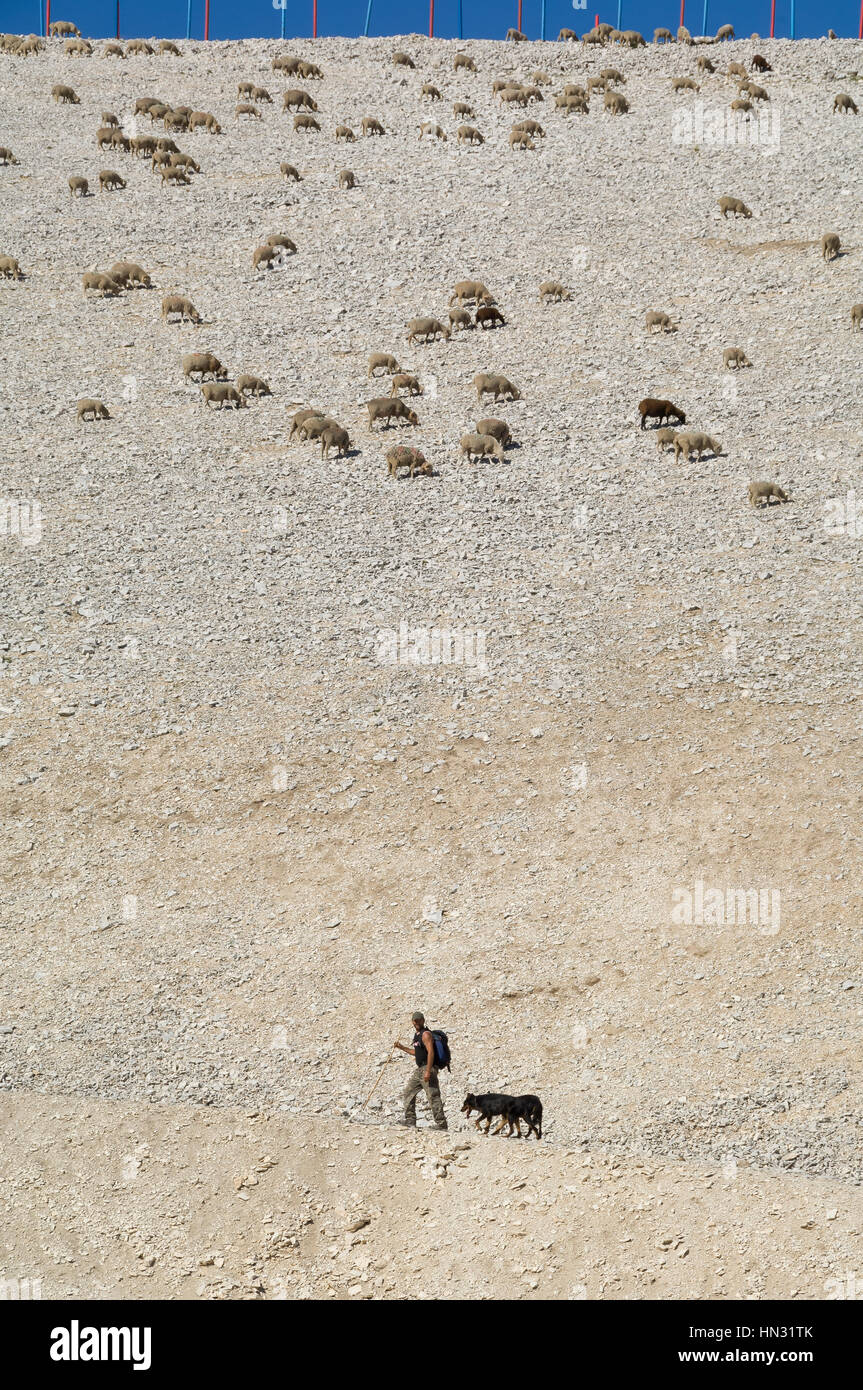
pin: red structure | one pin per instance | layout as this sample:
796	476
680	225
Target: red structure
118	18
860	30
431	19
207	19
682	8
519	16
315	19
47	18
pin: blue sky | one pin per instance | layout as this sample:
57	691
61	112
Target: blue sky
481	18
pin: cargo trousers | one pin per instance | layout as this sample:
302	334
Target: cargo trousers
431	1087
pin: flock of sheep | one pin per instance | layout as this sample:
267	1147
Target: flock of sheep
175	167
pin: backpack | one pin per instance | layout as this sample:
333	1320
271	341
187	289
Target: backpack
441	1049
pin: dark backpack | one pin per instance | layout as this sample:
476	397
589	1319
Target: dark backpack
441	1049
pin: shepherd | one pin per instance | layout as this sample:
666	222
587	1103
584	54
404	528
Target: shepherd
430	1051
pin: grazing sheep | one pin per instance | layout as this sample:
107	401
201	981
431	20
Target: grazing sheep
143	104
469	135
389	408
488	316
168	46
830	246
616	103
185	161
532	94
265	256
172	173
370	125
697	444
161	159
296	97
113	50
314	425
221	394
684	84
139	47
497	386
65	95
735	205
735	70
305	123
498	429
553	290
531	128
62	27
205	119
567	36
245	108
429	128
426	330
735	357
344	132
845	104
760	64
157	111
95	409
178	304
428	89
103	284
403	60
725	31
683	35
520	140
334	437
704	64
281	242
857	316
405	381
742	104
127	273
261	94
652	408
109	178
286	64
664	437
245	89
79	47
6	156
301	416
593	36
346	179
514	94
288	171
203	364
403	456
460	318
632	39
309	70
78	187
611	75
663	36
382	361
572	103
516	36
766	492
462	108
758	93
655	318
481	446
142	145
252	386
596	83
10	269
471	291
463	60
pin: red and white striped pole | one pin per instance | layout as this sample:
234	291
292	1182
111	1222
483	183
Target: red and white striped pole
206	19
314	19
431	19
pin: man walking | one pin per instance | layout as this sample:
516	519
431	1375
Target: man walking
424	1078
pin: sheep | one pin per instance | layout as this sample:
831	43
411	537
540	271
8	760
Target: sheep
857	316
514	94
481	446
498	429
553	290
596	83
161	159
79	47
78	187
103	284
344	132
334	437
463	60
168	46
381	361
462	108
656	318
662	36
532	94
742	104
531	128
460	318
616	103
472	291
487	384
95	409
540	78
143	104
735	205
65	95
205	119
758	93
245	108
314	425
429	128
245	89
142	145
684	84
346	179
121	142
830	246
157	111
766	492
203	364
286	64
61	27
405	381
10	269
6	156
403	456
664	437
683	35
252	386
265	256
288	171
113	50
427	330
309	70
520	140
572	103
139	47
705	64
487	316
469	135
653	409
567	36
178	304
403	60
846	104
592	36
281	242
296	97
760	63
735	357
370	125
612	75
632	39
301	416
222	395
389	408
504	84
735	70
725	31
695	443
516	36
428	89
108	179
127	273
174	174
185	161
305	123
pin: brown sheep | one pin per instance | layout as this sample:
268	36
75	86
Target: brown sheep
266	256
334	437
766	493
78	187
429	128
300	418
314	425
286	64
404	381
389	408
108	118
139	47
206	120
381	361
168	46
403	60
553	290
185	161
760	63
664	437
735	357
288	171
497	386
426	330
178	304
697	444
10	269
830	246
655	318
462	108
487	316
616	103
174	174
121	142
113	50
572	103
78	47
428	89
261	94
857	316
166	143
844	103
282	242
65	95
735	205
653	409
95	409
370	125
520	140
498	429
757	93
252	386
662	36
403	456
309	70
160	160
516	36
540	78
344	132
109	178
305	123
62	27
471	291
725	31
127	273
142	145
460	318
684	84
481	446
632	39
157	111
217	392
735	70
176	120
741	104
104	284
143	104
245	108
704	64
245	89
464	61
296	97
469	135
594	84
531	128
517	95
612	75
567	36
203	364
6	156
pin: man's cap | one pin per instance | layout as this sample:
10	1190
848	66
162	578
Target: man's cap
418	1018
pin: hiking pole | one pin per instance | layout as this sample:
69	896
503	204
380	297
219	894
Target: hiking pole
380	1074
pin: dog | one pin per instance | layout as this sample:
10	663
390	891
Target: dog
510	1109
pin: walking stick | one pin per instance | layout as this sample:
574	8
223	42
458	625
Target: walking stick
380	1074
